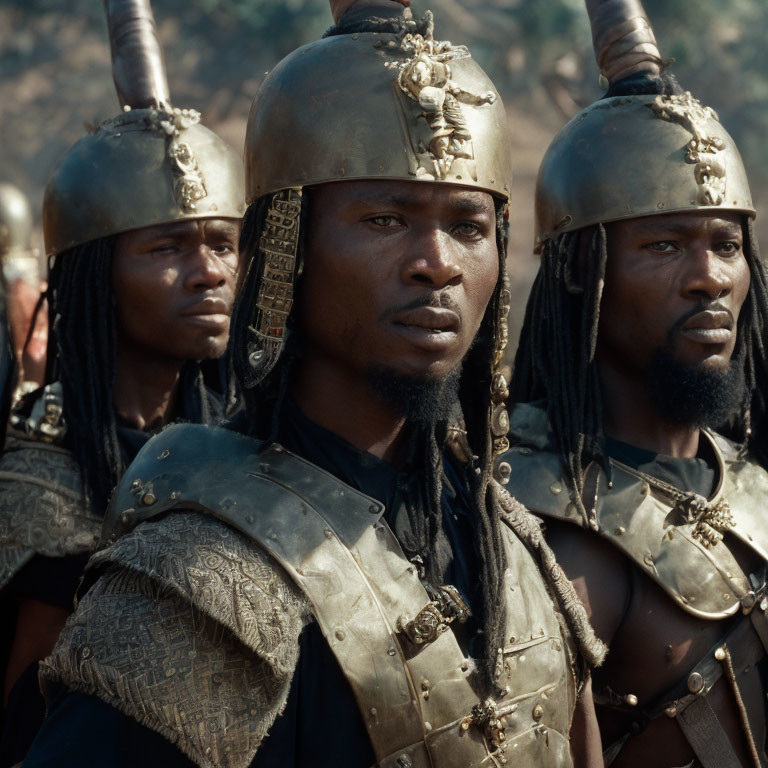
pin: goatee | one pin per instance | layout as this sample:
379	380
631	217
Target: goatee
422	401
687	395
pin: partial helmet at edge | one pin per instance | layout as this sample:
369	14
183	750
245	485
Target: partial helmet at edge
633	156
143	168
16	221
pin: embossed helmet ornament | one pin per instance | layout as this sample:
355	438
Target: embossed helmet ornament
395	104
152	164
378	105
638	155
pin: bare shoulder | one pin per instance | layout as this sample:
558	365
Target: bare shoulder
600	574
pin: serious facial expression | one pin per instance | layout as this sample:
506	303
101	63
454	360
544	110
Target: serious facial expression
675	281
398	274
174	285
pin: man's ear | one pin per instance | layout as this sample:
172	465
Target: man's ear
340	7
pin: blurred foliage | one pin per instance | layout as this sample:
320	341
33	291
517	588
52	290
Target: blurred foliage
54	64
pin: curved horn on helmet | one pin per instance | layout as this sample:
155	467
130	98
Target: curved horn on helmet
623	39
137	60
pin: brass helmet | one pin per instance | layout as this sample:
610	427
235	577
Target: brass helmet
15	222
394	104
636	155
152	164
378	106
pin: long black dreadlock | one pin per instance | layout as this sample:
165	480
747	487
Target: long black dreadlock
555	359
81	355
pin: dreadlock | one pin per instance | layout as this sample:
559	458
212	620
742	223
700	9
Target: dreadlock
81	355
555	359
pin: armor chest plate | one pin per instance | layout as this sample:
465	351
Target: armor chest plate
706	581
421	703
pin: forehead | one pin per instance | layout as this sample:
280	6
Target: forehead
402	194
182	229
686	222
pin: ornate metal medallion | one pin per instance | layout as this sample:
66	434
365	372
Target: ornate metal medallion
702	150
426	78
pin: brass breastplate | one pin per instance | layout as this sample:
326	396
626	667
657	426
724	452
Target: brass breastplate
420	703
705	580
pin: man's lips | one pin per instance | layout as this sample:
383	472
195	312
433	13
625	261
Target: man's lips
208	312
433	329
435	319
709	327
210	306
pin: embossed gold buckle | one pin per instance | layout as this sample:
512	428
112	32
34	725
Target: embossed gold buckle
435	617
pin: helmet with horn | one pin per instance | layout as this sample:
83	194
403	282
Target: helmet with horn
651	148
152	164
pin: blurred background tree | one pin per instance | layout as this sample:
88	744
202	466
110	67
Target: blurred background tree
55	74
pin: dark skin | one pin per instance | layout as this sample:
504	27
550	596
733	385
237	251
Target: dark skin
677	281
398	274
173	287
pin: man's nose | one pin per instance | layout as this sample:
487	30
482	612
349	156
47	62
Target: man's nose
206	270
433	260
709	276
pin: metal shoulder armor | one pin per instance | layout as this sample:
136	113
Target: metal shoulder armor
418	697
44	508
680	549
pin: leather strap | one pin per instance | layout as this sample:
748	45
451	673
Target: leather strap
706	735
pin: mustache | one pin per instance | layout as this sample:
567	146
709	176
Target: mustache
710	306
438	299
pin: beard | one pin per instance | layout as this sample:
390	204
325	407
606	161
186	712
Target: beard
690	396
423	402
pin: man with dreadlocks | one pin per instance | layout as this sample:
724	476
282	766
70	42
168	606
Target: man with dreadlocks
141	219
643	333
325	583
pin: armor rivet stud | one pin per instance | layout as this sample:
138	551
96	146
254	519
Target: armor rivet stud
391	651
630	700
464	666
671	711
249	519
748	601
165	454
339	634
135	485
374	712
720	654
726	596
538	712
556	488
695	682
175	495
373	509
621	530
148	499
